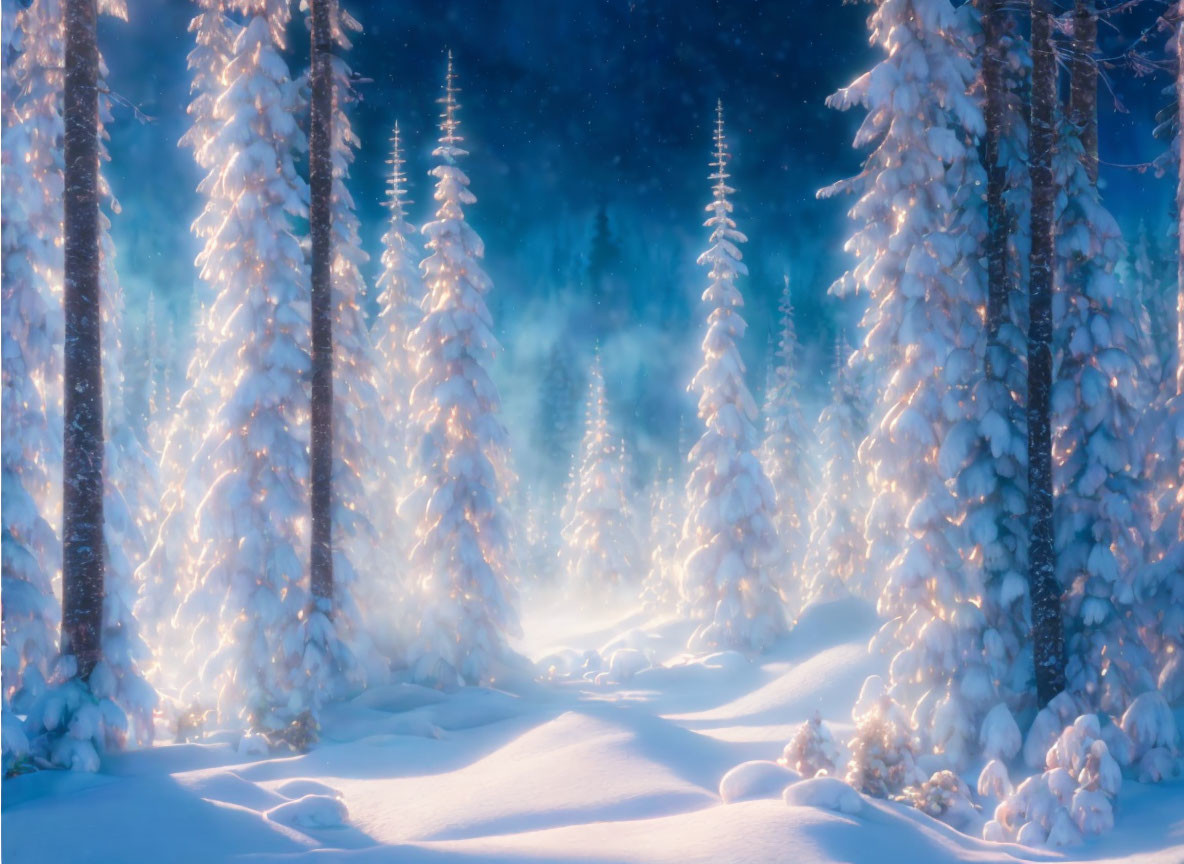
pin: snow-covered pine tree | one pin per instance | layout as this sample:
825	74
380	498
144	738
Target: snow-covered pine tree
462	551
993	486
31	322
600	549
1095	410
170	570
247	495
660	590
728	535
130	496
1163	621
783	457
1152	308
400	295
836	558
920	236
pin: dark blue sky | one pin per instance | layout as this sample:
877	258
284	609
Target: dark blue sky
570	105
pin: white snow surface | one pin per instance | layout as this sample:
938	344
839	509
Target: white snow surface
570	769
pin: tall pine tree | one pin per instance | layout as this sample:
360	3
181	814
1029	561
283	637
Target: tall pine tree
729	534
462	551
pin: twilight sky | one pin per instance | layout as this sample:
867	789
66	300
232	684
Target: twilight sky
570	105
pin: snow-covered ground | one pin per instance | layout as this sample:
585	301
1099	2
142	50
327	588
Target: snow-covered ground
625	767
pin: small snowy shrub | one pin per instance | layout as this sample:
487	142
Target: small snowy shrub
1073	797
812	749
1154	739
1000	736
883	750
943	796
993	781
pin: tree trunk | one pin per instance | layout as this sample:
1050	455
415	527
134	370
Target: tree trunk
998	273
1048	637
320	181
82	466
1083	83
1180	198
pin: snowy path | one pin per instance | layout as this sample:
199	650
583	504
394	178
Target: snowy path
567	771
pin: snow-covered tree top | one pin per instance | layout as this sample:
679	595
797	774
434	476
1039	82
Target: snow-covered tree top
396	188
448	149
723	256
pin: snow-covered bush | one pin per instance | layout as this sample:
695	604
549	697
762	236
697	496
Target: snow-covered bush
943	796
1151	729
1000	736
883	751
812	749
1073	797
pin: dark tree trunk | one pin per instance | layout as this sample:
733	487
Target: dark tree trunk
320	181
1083	83
1048	637
82	467
1180	198
998	223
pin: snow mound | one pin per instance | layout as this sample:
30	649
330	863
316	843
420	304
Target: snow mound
729	662
303	787
623	665
310	811
756	779
826	793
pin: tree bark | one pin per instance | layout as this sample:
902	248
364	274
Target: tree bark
320	181
1048	637
82	467
1083	83
998	273
1180	197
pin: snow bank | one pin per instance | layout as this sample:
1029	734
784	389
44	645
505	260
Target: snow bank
311	811
827	793
756	779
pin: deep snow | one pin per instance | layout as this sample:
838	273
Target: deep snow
615	765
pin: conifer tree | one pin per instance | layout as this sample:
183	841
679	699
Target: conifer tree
1163	618
660	590
728	535
400	297
920	267
1095	403
130	495
31	322
462	550
836	560
783	457
246	496
600	548
993	486
169	572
